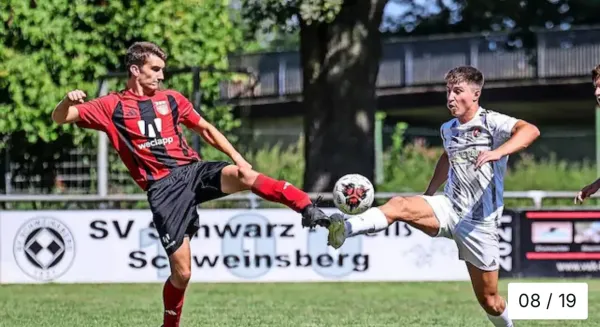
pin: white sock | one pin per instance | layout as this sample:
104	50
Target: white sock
501	320
371	221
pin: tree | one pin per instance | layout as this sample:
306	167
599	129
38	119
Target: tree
49	47
519	18
340	50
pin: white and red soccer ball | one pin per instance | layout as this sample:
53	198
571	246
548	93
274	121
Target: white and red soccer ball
353	194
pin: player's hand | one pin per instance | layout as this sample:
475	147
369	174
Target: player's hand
241	162
586	192
76	96
487	156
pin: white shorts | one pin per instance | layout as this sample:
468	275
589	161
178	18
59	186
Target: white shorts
477	244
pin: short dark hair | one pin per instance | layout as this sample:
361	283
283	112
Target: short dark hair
595	74
140	51
467	74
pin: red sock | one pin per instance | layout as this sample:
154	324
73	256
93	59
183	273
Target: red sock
281	192
173	302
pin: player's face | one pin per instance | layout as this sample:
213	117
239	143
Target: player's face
597	90
150	75
461	97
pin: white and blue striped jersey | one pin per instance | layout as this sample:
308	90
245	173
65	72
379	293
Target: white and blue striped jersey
476	195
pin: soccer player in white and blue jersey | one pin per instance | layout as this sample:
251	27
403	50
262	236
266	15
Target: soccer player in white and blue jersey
477	143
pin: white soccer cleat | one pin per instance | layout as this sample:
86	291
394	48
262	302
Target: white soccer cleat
337	231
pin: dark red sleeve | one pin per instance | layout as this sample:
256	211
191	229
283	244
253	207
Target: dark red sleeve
95	114
187	114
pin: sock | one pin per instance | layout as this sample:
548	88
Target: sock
371	221
173	303
501	320
280	192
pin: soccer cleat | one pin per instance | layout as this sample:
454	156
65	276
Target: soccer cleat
337	231
313	216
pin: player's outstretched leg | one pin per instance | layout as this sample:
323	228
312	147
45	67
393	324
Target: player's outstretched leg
413	210
485	285
176	284
235	179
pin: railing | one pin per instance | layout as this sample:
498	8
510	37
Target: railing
254	201
424	61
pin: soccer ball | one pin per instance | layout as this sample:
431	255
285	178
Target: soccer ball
353	194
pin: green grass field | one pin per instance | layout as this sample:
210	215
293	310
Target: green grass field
250	305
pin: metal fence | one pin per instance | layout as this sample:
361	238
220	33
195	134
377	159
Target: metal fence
425	60
253	201
88	172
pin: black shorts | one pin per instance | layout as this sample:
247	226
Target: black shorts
173	200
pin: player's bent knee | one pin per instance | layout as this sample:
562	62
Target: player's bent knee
247	176
233	180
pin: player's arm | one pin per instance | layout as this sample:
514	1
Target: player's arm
587	191
440	174
192	119
217	140
65	111
522	135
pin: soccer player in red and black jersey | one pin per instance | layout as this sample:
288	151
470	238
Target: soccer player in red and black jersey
142	123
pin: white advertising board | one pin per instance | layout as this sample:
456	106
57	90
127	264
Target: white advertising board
267	245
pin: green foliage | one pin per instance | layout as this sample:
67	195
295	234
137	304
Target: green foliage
284	16
516	17
280	163
56	46
50	47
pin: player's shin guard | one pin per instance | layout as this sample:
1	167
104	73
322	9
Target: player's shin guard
173	304
371	221
280	192
501	320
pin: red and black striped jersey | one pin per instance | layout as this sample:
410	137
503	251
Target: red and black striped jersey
145	131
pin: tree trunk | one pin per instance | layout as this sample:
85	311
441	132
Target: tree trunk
340	64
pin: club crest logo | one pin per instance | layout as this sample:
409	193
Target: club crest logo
44	248
162	107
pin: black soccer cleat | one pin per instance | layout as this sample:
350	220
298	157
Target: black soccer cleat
313	216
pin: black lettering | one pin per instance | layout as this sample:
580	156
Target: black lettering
205	259
120	233
395	230
299	257
283	261
227	230
408	230
231	261
156	264
205	229
287	230
138	259
341	259
246	258
153	234
270	228
258	258
252	230
361	262
324	260
97	226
